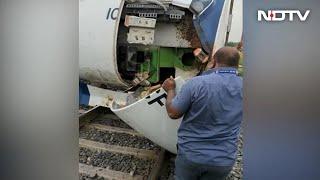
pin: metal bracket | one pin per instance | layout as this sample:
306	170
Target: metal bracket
140	22
141	35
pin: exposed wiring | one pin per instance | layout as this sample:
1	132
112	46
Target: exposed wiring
150	1
158	3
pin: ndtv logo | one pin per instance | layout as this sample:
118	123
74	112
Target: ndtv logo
282	15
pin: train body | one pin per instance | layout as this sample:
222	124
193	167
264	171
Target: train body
128	44
125	43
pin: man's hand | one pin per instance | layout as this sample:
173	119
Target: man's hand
169	84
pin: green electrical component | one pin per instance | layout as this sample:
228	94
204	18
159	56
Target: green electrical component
164	57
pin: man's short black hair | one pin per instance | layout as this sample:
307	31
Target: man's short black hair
227	56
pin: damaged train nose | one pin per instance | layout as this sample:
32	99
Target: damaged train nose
128	43
148	116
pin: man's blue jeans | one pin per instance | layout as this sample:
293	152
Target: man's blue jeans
187	170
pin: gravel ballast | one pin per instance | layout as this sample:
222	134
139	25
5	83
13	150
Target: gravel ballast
237	171
88	177
167	172
120	139
116	161
111	122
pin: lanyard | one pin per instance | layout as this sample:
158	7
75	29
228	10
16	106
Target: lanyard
226	71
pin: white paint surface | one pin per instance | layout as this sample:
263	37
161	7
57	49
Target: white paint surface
152	120
182	3
237	21
222	27
97	42
104	97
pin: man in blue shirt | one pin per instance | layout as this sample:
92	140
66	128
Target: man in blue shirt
212	108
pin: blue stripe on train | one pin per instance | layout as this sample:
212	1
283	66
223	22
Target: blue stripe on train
84	94
207	24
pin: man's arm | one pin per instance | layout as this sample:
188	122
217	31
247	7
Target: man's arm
176	105
172	112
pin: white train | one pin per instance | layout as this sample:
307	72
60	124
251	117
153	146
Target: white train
129	45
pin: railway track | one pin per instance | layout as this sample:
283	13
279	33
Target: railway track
110	149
